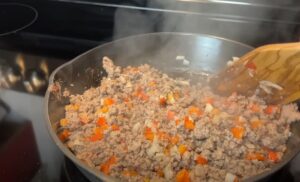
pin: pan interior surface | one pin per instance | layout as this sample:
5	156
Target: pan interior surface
204	54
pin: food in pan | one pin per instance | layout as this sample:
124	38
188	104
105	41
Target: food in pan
142	125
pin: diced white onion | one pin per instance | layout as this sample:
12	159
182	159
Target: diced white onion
168	172
251	73
233	61
230	63
230	177
208	108
136	127
179	57
155	148
270	84
265	88
185	62
148	123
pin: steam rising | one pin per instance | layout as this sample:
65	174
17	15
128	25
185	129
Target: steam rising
248	23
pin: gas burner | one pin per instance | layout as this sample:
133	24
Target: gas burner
15	17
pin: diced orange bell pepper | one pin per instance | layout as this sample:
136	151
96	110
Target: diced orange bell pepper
105	167
102	123
170	115
64	135
238	132
98	135
255	156
270	109
104	109
201	160
273	156
112	160
183	176
163	101
177	122
182	149
72	107
108	101
195	110
63	122
149	135
98	130
188	123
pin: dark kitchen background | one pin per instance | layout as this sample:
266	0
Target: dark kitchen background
36	36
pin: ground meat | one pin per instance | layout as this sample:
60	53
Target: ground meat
141	125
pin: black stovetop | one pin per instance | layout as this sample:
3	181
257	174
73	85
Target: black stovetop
66	28
71	173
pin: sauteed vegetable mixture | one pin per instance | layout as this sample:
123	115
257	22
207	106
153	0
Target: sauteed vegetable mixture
141	125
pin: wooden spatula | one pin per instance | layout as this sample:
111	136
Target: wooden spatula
272	71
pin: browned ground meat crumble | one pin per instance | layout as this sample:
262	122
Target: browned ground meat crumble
141	125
